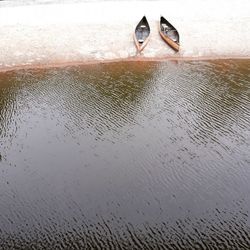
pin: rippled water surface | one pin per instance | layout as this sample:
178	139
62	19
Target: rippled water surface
126	156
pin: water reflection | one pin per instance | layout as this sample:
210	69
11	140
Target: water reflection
111	95
126	155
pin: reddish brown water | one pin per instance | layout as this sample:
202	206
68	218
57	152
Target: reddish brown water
126	156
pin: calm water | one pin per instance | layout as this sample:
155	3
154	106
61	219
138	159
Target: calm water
126	156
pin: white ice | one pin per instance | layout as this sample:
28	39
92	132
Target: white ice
94	31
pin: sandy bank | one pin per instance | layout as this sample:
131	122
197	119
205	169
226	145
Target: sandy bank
95	32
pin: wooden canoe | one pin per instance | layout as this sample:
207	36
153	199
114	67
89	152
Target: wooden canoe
141	35
169	34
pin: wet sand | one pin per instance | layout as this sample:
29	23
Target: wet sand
65	34
128	60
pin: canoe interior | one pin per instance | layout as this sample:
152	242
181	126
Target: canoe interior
142	31
169	30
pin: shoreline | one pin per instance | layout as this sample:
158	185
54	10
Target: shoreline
101	32
109	61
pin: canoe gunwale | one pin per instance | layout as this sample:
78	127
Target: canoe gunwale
174	45
141	46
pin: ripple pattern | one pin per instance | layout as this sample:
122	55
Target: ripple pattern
139	155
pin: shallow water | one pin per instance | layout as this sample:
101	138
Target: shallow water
126	156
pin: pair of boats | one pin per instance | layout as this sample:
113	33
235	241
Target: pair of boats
167	31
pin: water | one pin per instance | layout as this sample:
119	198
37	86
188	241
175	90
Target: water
126	156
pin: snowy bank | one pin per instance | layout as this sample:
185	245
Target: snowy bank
99	31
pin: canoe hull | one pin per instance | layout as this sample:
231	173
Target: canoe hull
170	42
169	34
139	46
142	34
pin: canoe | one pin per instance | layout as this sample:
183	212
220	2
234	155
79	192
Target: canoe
141	35
169	34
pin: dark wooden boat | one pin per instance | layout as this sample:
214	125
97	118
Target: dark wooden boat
169	34
141	35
